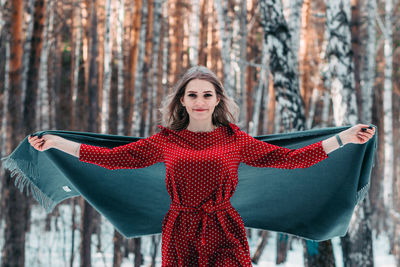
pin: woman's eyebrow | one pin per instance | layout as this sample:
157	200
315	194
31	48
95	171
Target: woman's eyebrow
196	92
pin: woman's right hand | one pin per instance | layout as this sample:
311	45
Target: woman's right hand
45	142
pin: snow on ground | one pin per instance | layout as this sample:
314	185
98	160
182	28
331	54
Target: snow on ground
54	248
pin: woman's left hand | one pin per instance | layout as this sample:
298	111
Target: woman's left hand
357	135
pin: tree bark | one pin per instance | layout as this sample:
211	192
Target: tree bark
357	243
13	252
89	215
277	36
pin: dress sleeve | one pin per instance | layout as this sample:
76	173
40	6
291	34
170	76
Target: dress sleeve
257	153
139	154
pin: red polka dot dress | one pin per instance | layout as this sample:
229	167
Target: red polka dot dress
201	228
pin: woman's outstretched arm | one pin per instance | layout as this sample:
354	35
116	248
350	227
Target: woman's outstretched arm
258	153
53	141
139	154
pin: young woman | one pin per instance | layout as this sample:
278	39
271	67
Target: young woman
202	149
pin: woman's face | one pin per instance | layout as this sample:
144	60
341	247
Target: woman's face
200	100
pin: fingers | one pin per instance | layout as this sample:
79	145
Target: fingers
366	133
35	141
363	135
368	129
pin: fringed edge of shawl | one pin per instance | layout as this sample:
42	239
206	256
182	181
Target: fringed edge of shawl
22	180
361	193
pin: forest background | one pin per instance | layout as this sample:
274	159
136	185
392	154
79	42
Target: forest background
105	66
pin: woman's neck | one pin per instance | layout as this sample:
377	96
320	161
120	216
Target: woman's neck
201	128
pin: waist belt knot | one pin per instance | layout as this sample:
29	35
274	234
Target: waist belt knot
204	210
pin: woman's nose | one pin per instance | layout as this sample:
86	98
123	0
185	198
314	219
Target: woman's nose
200	101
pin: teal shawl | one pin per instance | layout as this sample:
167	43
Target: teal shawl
313	203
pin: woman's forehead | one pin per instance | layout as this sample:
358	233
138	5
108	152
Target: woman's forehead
199	86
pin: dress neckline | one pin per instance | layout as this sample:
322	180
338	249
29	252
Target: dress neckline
199	133
202	132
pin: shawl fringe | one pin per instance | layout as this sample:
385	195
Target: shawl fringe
22	180
361	193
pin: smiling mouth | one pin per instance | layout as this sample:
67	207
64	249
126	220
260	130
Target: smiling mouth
200	109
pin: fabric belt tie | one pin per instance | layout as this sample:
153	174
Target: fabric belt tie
204	210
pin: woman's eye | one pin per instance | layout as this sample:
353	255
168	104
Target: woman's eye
207	95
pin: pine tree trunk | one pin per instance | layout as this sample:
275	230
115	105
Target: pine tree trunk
120	63
73	229
318	254
129	103
76	39
89	215
117	241
282	246
155	241
42	106
13	252
263	241
146	84
304	55
203	32
138	102
33	66
32	80
106	67
154	73
138	260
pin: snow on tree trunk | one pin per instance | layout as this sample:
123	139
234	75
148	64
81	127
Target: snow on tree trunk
222	13
289	102
294	24
357	243
241	49
368	72
153	79
136	119
287	95
340	64
261	89
315	97
120	62
42	105
387	118
194	33
107	70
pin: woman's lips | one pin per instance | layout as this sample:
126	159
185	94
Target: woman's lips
200	109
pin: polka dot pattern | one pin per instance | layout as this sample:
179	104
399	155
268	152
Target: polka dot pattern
202	228
257	153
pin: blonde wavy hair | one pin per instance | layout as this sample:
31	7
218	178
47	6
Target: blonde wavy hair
175	116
